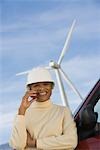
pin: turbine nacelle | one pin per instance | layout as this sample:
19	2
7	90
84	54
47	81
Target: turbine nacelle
54	65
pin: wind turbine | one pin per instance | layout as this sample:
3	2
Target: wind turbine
56	66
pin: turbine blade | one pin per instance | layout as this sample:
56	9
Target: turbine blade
69	82
61	88
22	73
49	68
26	72
65	48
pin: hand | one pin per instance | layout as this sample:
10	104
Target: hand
30	141
28	98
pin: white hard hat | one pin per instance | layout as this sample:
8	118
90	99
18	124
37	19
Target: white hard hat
39	75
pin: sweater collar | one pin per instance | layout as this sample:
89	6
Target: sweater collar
45	104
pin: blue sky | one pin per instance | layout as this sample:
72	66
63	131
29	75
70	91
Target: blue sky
32	34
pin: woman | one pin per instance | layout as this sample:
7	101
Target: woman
40	124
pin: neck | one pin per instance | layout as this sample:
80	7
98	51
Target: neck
41	101
43	104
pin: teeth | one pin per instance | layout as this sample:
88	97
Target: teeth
42	93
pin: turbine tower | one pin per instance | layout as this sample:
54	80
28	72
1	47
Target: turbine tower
56	66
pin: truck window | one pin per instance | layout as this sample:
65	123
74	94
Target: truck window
97	109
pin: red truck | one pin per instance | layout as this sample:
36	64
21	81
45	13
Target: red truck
87	118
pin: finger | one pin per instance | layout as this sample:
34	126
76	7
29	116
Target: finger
31	92
28	132
27	95
31	99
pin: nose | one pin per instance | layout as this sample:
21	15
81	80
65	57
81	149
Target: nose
40	89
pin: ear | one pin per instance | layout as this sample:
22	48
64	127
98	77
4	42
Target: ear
28	87
52	84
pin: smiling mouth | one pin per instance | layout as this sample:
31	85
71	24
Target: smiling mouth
42	93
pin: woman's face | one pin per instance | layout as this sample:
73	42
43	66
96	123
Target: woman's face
43	90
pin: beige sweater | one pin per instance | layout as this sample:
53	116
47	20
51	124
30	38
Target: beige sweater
52	125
